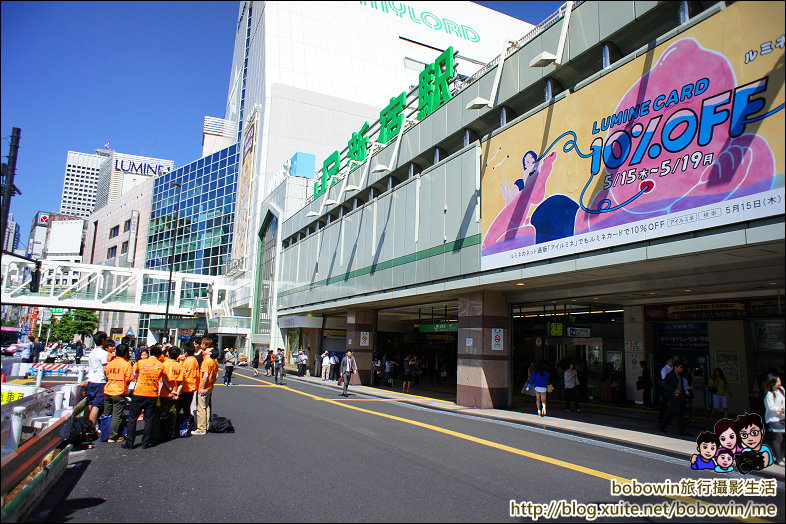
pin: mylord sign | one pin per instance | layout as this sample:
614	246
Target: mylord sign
431	20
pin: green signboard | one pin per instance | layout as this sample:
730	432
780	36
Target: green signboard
444	327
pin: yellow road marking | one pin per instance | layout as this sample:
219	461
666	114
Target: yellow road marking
496	445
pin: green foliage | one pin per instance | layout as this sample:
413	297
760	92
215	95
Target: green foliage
74	322
10	323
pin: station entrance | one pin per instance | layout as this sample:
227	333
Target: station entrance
589	336
428	332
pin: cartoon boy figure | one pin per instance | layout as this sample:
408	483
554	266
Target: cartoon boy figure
751	431
706	444
725	460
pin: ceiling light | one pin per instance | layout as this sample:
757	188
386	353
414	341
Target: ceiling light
688	290
520	284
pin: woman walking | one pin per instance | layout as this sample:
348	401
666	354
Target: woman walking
255	362
719	388
774	415
268	362
540	381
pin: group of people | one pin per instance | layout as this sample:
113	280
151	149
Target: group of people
274	362
165	384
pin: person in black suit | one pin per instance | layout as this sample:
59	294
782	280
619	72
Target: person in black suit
674	393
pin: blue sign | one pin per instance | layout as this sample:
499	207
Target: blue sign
141	168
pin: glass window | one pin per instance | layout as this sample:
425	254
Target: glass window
124	248
114	231
127	225
111	252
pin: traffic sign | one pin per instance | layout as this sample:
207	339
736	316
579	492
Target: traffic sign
46	315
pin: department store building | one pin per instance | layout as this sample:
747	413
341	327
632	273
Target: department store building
607	198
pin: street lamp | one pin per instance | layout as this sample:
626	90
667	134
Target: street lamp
172	259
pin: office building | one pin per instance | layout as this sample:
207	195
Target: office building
120	172
80	182
11	235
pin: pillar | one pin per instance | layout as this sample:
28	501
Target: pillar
361	340
635	352
484	351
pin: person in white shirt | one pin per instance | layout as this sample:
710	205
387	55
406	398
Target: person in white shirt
96	376
325	365
774	402
571	392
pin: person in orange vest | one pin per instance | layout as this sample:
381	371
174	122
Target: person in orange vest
173	371
151	372
118	375
191	378
209	371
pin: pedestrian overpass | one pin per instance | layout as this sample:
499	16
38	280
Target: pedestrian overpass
108	288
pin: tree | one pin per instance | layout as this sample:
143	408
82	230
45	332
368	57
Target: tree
63	329
84	322
10	323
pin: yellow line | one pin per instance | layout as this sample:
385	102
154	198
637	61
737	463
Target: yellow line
496	445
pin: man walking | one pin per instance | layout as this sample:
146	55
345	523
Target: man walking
280	369
27	351
348	367
674	392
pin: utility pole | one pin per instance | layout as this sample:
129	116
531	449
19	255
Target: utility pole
8	188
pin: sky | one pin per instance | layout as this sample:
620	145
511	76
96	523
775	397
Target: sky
141	75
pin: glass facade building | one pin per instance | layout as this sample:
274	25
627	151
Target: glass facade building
201	225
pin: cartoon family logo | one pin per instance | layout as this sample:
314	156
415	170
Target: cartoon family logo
734	443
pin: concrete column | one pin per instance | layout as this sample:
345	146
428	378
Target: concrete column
484	371
635	351
361	340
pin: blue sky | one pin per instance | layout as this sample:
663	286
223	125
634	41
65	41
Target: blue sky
140	74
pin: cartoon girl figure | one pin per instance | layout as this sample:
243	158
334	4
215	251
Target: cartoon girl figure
725	461
727	433
530	163
513	222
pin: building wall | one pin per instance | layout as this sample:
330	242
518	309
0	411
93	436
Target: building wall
80	182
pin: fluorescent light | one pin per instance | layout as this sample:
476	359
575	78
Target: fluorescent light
478	103
543	59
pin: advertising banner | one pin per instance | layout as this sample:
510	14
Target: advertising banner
244	187
687	136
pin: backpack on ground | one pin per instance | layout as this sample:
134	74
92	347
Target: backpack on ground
220	425
78	431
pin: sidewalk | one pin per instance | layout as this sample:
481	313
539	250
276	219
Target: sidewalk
627	425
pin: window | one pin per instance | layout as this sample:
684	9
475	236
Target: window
127	225
111	252
114	231
124	248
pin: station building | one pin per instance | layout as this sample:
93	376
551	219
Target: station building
609	192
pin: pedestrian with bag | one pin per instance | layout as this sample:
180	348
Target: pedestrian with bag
539	380
119	375
348	367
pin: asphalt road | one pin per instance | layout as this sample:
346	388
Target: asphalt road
303	453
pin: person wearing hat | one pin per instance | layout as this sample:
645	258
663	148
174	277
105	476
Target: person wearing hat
325	365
